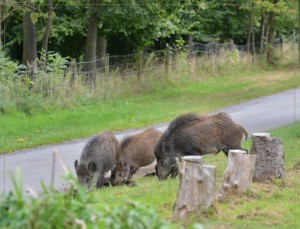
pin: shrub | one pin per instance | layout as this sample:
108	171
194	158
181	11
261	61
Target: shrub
53	209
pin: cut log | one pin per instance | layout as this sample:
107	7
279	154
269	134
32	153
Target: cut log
238	174
270	157
197	186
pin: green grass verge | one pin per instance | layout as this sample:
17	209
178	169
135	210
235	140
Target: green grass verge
19	131
275	204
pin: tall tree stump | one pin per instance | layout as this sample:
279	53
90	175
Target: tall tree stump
238	174
197	186
270	157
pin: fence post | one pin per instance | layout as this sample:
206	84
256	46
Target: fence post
73	70
167	59
139	64
294	38
106	64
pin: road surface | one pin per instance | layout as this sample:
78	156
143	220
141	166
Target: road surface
256	116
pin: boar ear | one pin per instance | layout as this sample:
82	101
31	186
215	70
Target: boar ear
92	167
76	164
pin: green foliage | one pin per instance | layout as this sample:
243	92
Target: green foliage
8	69
131	25
52	62
134	215
71	209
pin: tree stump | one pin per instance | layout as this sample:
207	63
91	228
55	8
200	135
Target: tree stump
238	174
197	186
270	157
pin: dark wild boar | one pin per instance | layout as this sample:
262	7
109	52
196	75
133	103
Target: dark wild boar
191	134
136	151
99	155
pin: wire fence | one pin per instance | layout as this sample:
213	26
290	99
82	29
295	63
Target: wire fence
135	65
60	82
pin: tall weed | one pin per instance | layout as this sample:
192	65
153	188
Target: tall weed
56	86
71	209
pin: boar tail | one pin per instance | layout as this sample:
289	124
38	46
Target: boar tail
245	132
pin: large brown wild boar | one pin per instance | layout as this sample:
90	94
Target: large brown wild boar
99	155
136	151
191	134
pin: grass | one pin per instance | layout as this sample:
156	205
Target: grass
275	204
19	131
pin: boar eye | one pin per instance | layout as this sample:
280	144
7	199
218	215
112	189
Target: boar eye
162	162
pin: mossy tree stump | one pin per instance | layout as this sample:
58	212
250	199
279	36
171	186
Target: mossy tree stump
270	157
197	186
238	174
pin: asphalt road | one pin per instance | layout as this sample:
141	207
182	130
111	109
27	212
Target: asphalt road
256	116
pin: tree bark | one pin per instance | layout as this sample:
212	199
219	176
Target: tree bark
270	157
29	41
262	34
238	175
197	186
91	45
101	51
270	49
299	28
48	26
1	8
251	37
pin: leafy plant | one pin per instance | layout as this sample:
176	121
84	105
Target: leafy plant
71	209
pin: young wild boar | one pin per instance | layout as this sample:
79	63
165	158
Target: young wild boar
136	151
99	155
191	134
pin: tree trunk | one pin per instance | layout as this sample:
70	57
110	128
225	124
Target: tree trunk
238	175
48	26
270	49
139	60
250	38
197	186
299	28
91	45
270	157
29	41
167	60
1	8
262	34
101	51
73	71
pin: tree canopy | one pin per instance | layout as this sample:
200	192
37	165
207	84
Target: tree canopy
131	25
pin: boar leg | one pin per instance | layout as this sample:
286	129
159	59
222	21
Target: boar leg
132	171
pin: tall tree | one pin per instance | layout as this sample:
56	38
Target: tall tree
299	27
48	25
91	43
101	51
270	49
29	38
251	34
1	8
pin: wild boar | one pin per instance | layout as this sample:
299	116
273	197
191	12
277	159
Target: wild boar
99	155
191	134
136	151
